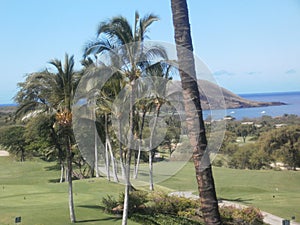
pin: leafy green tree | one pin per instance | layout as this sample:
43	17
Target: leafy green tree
247	157
172	136
195	123
282	145
228	143
12	138
244	130
39	139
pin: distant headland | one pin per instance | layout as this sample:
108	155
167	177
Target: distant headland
208	91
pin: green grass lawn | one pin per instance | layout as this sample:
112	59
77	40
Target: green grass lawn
27	190
276	192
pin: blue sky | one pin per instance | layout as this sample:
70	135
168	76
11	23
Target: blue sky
250	45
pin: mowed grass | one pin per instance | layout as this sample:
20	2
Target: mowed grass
276	192
27	190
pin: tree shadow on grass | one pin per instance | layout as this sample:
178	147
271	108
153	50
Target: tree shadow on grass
115	219
54	180
240	200
91	206
53	167
108	218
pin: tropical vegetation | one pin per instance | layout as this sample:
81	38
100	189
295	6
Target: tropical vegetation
104	120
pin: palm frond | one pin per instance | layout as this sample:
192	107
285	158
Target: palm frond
145	22
118	29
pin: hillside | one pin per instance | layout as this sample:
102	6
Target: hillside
211	99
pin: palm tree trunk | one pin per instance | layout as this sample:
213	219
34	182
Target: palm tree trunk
194	118
151	146
70	191
140	143
107	164
96	153
121	150
113	162
128	159
62	171
60	155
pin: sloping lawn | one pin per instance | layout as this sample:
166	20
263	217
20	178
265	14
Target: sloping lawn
27	190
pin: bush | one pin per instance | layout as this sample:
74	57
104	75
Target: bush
174	205
160	219
109	203
160	209
137	199
245	216
217	163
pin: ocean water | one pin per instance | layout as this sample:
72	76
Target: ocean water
10	104
291	99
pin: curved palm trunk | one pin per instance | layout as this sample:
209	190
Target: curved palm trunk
107	164
150	148
109	153
194	119
136	170
113	162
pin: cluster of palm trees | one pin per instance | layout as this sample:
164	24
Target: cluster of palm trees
112	67
52	93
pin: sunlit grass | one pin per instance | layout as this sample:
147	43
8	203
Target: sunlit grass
276	192
27	190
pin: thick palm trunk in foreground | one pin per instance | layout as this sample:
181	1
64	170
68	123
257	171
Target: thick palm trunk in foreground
194	118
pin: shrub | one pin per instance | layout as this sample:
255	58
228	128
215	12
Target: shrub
217	163
158	208
174	205
109	203
245	216
160	219
137	200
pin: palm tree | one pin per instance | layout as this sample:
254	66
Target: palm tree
51	93
129	57
194	118
157	71
67	81
143	106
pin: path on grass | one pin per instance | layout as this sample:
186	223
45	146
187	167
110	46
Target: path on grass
268	217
